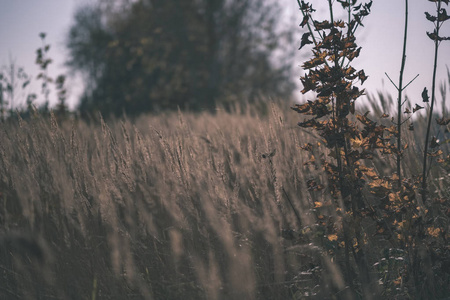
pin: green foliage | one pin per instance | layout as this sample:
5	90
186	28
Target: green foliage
157	55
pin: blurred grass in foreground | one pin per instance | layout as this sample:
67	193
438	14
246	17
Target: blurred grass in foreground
175	206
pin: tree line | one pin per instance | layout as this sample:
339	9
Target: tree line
154	55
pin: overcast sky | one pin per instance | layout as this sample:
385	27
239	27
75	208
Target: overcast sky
21	21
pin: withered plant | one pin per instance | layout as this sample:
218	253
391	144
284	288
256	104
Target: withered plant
43	61
366	207
438	20
330	75
400	102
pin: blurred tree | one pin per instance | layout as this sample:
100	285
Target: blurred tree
149	55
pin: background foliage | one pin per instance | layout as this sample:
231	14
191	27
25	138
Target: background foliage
154	55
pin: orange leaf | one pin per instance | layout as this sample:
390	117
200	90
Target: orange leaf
371	173
435	153
332	237
434	232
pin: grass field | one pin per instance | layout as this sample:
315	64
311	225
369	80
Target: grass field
181	206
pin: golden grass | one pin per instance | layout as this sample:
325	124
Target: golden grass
174	206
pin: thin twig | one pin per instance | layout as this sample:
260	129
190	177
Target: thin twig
396	87
410	82
292	206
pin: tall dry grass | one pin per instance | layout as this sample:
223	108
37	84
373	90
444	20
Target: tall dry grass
175	206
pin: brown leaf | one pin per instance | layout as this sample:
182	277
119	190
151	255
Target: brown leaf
355	8
305	20
436	37
425	96
445	1
316	61
364	119
435	153
318	204
332	237
443	15
398	281
370	172
362	76
392	130
443	121
322	25
302	108
360	142
418	107
430	17
344	3
352	54
307	147
305	40
340	24
434	232
310	123
381	184
308	84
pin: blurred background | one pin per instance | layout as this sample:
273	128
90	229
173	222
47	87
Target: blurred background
152	55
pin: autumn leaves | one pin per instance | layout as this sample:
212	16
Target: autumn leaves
360	194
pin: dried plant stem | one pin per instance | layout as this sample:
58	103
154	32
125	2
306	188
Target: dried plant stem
307	24
330	4
400	89
399	100
430	115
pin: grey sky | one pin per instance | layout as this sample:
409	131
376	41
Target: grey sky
21	21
